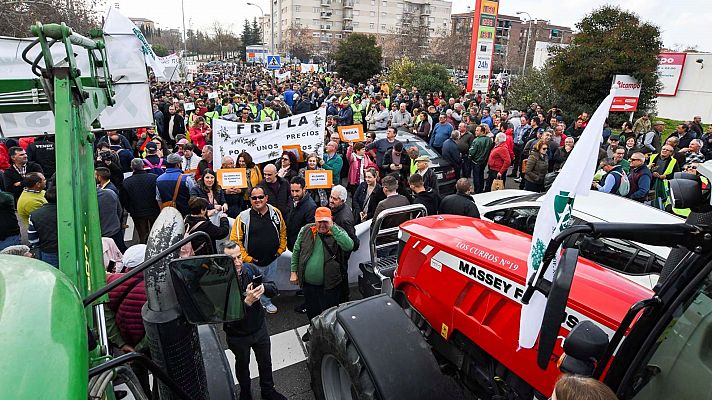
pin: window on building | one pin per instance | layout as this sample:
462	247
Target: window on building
298	21
328	35
373	13
355	24
555	34
383	27
316	34
384	3
371	25
297	8
315	10
373	2
338	36
431	19
357	12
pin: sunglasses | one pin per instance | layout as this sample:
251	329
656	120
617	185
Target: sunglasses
692	167
257	197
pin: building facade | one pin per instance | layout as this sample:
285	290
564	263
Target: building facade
511	38
319	24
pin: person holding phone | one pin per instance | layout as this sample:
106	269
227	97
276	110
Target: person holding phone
250	333
317	259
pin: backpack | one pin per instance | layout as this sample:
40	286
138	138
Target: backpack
155	169
624	186
187	249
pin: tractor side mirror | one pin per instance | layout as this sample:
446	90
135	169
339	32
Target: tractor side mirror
583	348
555	310
207	289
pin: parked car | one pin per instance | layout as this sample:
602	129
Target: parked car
443	170
640	263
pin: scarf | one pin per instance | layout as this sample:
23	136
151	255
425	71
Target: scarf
170	127
361	164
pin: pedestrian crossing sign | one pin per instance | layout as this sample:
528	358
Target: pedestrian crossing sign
274	62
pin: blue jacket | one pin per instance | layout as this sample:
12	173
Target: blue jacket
487	120
441	133
165	187
452	154
640	180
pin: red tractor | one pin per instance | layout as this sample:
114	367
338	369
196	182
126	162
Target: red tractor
451	306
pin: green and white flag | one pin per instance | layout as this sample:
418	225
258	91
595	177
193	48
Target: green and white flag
555	214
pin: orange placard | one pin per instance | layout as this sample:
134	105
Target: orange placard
294	149
232	177
318	179
351	133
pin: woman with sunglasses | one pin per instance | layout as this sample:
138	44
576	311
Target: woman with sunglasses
319	196
537	167
287	166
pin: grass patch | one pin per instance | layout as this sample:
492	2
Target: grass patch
670	125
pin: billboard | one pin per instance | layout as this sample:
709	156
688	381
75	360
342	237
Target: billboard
670	71
482	48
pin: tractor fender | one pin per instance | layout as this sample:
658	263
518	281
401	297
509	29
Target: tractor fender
375	343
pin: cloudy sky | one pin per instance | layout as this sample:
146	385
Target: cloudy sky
683	22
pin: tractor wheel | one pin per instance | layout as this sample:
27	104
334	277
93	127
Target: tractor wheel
337	370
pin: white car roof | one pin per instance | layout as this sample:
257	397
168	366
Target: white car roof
603	206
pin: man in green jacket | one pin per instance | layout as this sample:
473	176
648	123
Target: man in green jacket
317	257
333	161
479	154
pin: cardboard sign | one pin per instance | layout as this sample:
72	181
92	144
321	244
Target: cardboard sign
189	106
213	95
318	179
351	133
296	150
232	178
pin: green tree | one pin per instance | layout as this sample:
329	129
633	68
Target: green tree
160	50
535	86
357	57
610	41
426	76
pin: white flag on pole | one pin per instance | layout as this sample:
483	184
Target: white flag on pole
555	214
118	24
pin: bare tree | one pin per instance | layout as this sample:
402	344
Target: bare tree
296	42
450	49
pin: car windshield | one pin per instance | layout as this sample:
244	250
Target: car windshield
526	198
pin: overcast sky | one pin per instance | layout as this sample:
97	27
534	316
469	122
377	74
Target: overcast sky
683	22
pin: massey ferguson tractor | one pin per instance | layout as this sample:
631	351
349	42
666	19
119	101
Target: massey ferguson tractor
451	302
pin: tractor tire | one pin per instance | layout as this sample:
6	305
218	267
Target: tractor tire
336	368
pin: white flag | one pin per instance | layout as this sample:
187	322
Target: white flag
555	214
117	24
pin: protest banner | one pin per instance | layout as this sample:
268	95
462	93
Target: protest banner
282	77
351	133
318	179
232	177
265	141
213	95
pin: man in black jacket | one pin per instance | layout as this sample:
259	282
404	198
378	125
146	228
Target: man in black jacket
19	168
300	211
277	188
423	195
461	202
41	151
251	331
343	217
139	198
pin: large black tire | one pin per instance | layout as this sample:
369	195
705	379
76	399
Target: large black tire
332	352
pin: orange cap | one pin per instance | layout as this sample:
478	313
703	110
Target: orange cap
322	214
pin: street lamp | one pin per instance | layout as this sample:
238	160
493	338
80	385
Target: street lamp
526	49
271	47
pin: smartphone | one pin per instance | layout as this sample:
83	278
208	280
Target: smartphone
256	281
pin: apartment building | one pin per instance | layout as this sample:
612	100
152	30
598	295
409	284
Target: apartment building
319	24
511	38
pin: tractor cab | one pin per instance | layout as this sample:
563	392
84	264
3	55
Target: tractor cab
662	346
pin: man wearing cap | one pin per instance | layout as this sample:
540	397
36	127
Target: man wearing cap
649	143
153	162
174	186
317	260
422	168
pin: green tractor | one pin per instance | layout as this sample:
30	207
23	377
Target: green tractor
53	335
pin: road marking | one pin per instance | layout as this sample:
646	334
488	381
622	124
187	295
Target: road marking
287	349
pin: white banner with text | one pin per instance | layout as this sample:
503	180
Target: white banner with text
266	141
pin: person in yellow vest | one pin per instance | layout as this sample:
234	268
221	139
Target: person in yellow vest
358	110
210	115
268	113
663	166
254	107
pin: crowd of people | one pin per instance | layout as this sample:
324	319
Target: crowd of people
140	171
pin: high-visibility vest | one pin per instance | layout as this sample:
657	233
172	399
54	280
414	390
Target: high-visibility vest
685	212
668	173
358	117
253	110
268	112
